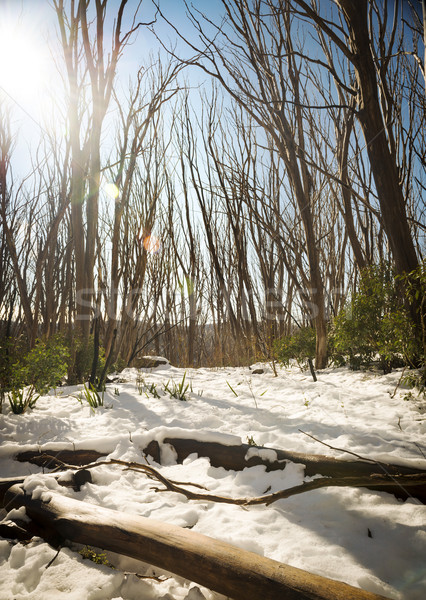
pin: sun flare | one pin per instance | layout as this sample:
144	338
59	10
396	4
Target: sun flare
151	244
24	59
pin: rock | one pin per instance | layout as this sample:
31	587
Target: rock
258	371
150	362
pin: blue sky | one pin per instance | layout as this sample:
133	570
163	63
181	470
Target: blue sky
29	74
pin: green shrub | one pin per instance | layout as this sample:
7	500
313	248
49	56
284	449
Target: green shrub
374	324
119	365
10	349
416	380
415	291
44	366
300	346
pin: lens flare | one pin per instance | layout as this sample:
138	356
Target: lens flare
151	244
111	190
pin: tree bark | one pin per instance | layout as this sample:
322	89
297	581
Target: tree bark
383	164
221	567
47	458
74	480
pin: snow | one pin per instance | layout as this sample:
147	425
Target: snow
263	453
367	539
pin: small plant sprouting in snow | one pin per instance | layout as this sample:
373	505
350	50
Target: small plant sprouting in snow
177	390
306	402
22	399
417	382
140	383
116	391
94	399
250	441
250	384
152	389
231	388
96	557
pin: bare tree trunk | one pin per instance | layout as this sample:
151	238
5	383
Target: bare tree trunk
101	69
383	164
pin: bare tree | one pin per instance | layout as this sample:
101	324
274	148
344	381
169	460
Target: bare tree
85	56
137	131
354	38
253	59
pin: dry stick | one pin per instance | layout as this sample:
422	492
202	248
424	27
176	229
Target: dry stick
382	480
384	466
399	382
370	460
362	481
130	466
51	561
419	449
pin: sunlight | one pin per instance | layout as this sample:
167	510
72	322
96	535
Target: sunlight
24	59
152	244
111	190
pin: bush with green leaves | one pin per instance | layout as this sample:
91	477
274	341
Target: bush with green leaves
299	346
415	291
119	365
374	325
416	380
44	366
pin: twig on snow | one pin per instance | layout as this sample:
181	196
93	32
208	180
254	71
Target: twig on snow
382	480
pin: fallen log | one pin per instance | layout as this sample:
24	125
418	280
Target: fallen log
234	458
236	573
46	458
74	480
237	458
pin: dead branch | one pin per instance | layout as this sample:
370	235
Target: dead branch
370	460
377	480
237	458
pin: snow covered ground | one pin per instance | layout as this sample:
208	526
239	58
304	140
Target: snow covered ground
367	539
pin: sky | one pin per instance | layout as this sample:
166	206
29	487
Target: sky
31	60
29	48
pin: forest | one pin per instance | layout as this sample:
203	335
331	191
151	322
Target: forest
257	191
212	237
